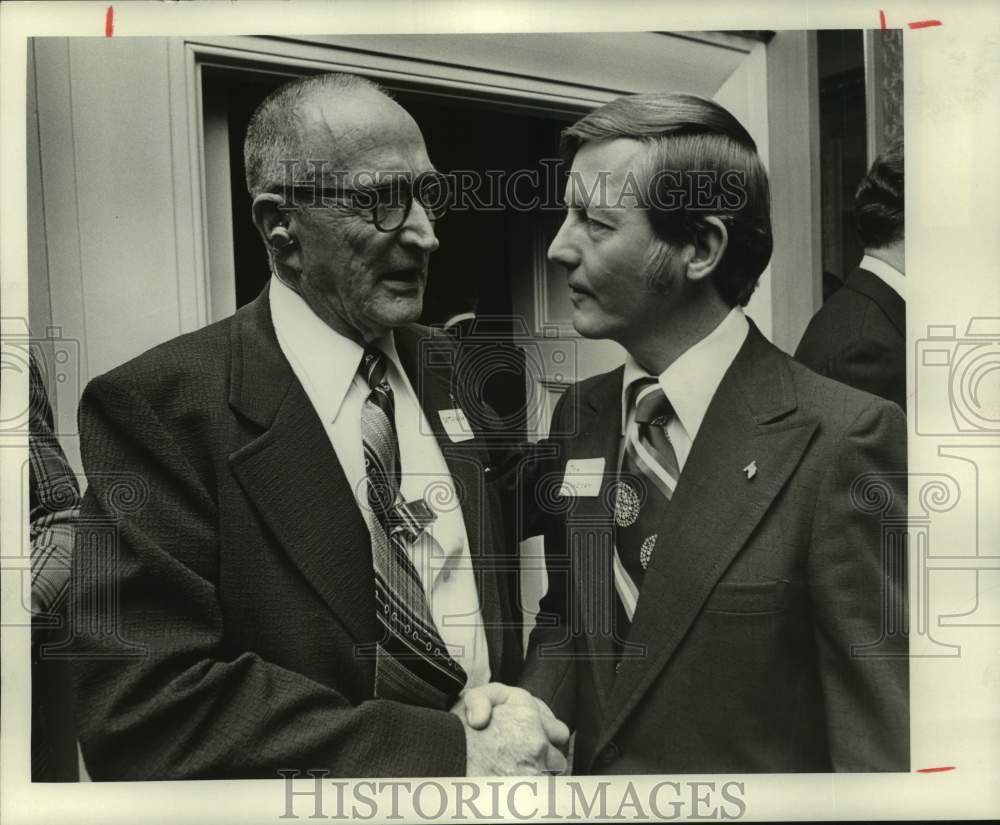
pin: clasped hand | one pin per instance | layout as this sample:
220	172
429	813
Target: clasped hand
509	732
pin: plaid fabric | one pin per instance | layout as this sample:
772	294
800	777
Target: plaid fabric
55	501
55	505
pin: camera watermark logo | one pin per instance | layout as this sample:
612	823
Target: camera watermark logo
57	359
965	370
478	365
82	616
957	399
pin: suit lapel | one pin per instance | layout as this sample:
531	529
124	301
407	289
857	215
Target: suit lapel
715	507
292	476
466	461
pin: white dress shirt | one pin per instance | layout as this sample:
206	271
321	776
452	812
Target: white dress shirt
888	274
690	382
326	363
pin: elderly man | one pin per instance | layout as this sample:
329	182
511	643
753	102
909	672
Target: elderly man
715	563
295	600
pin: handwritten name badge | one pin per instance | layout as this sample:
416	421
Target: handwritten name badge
456	425
583	478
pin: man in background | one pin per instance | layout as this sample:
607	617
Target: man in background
858	336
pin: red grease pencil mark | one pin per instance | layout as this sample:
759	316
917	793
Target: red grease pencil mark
109	22
916	24
936	770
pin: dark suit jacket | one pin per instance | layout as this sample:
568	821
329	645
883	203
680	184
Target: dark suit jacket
858	337
244	576
747	651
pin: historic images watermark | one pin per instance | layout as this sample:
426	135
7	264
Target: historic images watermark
550	800
316	184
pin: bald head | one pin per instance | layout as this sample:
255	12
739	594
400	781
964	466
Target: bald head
343	111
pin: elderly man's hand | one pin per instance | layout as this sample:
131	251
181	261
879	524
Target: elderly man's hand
509	732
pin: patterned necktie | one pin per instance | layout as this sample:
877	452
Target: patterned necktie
646	484
413	664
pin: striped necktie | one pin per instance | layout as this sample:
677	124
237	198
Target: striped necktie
412	663
646	483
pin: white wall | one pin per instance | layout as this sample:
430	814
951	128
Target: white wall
793	124
117	268
745	95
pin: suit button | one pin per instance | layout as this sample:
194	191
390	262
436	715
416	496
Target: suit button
618	667
609	754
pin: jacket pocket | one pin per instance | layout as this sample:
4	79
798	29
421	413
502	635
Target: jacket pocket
748	597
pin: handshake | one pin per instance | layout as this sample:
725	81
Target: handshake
509	732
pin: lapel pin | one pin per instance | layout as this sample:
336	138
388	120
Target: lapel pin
751	469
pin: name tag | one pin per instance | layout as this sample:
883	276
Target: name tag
583	478
456	425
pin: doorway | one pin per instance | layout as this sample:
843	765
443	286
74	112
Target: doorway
479	247
488	251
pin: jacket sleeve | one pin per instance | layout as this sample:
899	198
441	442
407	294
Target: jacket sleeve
857	587
159	694
55	503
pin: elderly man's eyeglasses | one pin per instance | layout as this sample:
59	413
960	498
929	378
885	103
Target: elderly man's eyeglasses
387	205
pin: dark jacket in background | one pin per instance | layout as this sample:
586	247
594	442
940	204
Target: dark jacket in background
858	337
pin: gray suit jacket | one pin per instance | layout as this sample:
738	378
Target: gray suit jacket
761	641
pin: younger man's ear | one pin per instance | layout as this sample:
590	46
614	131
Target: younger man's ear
709	247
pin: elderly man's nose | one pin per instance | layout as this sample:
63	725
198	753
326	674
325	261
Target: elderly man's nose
419	229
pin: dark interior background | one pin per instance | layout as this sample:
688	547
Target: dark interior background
843	148
473	264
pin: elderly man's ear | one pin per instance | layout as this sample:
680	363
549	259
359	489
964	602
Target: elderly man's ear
273	223
704	256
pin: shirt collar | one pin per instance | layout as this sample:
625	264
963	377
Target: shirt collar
690	382
888	274
325	361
